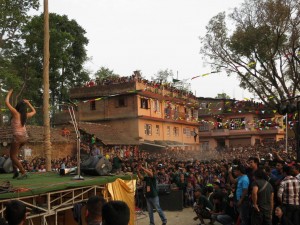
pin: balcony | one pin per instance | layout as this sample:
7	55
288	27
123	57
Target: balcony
240	132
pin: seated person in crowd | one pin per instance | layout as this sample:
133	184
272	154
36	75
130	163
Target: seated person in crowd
220	213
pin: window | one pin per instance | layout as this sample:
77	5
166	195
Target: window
168	131
176	131
148	129
195	114
121	102
144	103
157	130
204	126
156	106
93	105
187	131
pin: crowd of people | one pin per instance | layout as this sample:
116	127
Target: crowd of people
98	212
253	184
136	77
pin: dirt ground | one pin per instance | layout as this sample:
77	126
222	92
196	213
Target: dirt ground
184	217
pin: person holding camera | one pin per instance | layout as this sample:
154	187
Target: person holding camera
151	194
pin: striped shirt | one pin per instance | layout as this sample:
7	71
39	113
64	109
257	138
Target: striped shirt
289	191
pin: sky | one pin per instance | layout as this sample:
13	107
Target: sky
151	35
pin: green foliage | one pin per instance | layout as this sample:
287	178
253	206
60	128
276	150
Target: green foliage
263	49
13	16
105	73
163	76
21	53
222	96
67	54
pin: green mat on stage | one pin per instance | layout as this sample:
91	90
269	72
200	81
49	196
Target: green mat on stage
39	183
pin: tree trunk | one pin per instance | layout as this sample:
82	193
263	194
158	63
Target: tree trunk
47	141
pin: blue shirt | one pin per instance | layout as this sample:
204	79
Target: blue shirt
242	183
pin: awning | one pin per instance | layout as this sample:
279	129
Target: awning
151	146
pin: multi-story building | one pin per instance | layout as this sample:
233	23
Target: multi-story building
149	114
228	123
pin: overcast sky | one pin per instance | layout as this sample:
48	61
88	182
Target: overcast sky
151	35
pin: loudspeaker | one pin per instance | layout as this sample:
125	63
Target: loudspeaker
172	201
96	166
5	165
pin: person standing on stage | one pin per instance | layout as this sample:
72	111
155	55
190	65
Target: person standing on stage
20	137
151	194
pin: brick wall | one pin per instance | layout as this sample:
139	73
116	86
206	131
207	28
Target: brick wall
59	150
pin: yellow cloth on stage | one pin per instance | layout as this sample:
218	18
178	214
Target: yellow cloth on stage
124	190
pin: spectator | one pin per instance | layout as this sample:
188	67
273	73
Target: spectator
15	213
289	195
94	210
189	195
162	176
263	200
280	218
219	211
242	193
277	173
115	213
296	168
95	151
202	206
151	194
117	163
65	132
92	141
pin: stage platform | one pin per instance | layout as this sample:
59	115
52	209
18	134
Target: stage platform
48	195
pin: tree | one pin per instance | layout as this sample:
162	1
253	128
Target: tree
67	51
162	76
105	73
13	16
222	96
263	49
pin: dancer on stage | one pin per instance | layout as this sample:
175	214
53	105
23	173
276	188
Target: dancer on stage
20	137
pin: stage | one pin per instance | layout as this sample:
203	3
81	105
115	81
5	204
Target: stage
50	197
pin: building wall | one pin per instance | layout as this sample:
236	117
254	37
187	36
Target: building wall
126	126
249	135
108	108
159	131
59	150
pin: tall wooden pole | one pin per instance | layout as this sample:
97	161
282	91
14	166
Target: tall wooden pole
47	141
